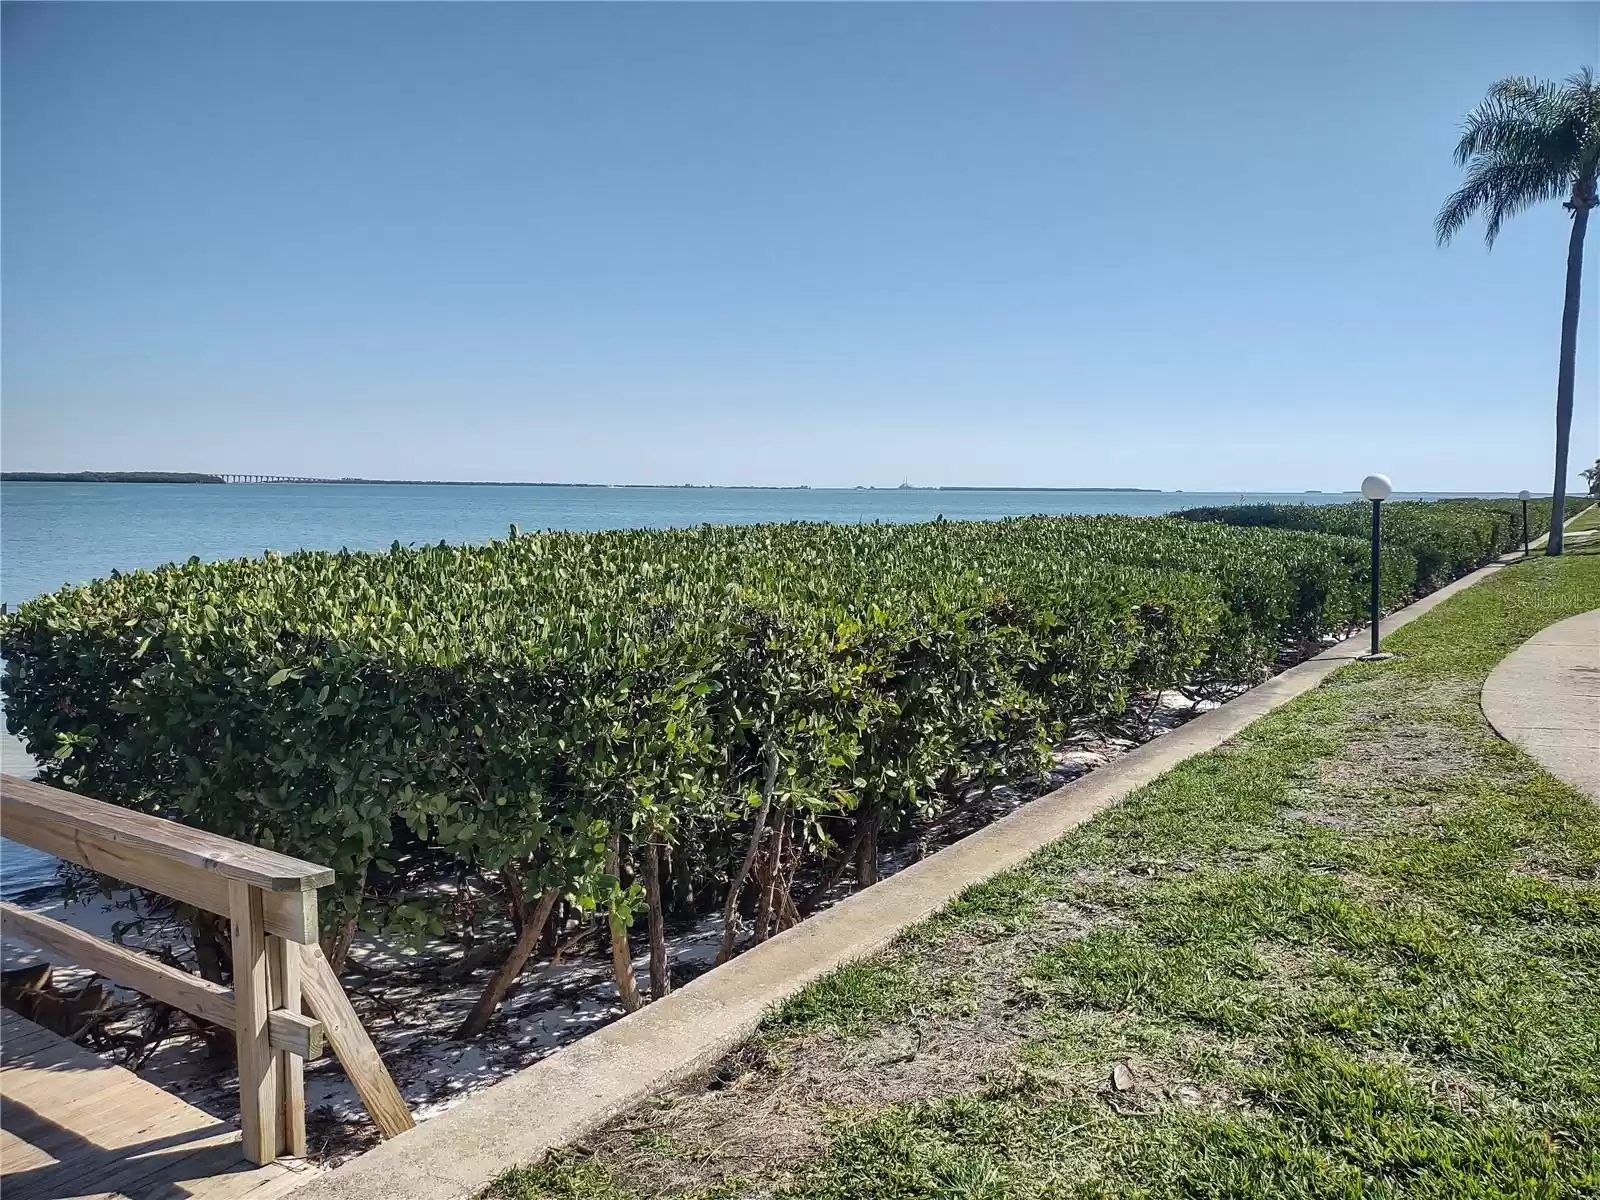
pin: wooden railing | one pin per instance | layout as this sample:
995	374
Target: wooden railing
279	970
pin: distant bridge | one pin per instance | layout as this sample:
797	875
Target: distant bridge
273	479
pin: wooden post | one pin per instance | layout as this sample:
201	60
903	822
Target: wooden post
259	1100
283	959
359	1057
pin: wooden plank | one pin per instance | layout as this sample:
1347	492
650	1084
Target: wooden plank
168	1160
120	1128
185	1170
17	1155
139	1117
283	964
110	824
351	1044
21	1041
16	1032
242	1182
120	1111
78	1126
259	1102
294	1033
174	1156
41	1068
288	1029
291	915
211	1176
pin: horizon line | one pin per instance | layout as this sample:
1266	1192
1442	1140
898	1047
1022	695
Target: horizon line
191	478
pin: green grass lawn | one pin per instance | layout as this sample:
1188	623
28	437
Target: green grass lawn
1353	952
1588	519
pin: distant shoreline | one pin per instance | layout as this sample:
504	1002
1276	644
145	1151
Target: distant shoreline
108	477
199	477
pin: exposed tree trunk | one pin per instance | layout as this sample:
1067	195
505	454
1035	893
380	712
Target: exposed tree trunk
210	947
621	955
582	933
660	969
774	889
467	965
867	848
836	867
767	876
515	907
213	955
682	880
789	915
736	884
784	909
1583	199
336	946
500	982
552	931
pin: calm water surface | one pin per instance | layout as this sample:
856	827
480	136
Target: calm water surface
53	534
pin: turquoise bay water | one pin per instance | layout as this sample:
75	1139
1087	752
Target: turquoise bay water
57	533
61	533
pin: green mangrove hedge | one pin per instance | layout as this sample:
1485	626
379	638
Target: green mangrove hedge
1446	538
637	723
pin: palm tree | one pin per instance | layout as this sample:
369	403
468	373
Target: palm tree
1528	141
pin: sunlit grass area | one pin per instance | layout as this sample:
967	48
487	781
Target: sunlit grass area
1588	519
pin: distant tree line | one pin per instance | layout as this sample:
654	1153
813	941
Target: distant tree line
108	477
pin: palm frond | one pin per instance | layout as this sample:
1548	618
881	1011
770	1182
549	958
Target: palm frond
1500	186
1585	91
1527	141
1492	129
1508	117
1459	208
1520	89
1519	187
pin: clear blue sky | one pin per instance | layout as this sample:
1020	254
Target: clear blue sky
1184	247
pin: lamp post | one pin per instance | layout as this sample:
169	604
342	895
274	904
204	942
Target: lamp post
1523	496
1377	489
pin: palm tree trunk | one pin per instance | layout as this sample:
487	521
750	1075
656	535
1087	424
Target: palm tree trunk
1582	199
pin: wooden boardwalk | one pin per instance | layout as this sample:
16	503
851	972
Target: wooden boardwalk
75	1126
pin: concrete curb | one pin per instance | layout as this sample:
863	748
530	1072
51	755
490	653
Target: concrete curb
575	1090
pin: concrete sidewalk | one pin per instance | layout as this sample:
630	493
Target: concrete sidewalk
1545	697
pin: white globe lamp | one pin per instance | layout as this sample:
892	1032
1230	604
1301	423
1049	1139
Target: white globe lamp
1376	487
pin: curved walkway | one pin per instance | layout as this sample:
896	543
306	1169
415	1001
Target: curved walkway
1545	697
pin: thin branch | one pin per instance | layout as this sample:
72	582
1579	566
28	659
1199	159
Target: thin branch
736	884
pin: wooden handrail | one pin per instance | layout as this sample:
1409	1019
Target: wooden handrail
141	850
112	825
204	999
270	901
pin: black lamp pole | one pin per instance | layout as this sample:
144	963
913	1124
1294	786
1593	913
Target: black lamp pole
1524	527
1377	529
